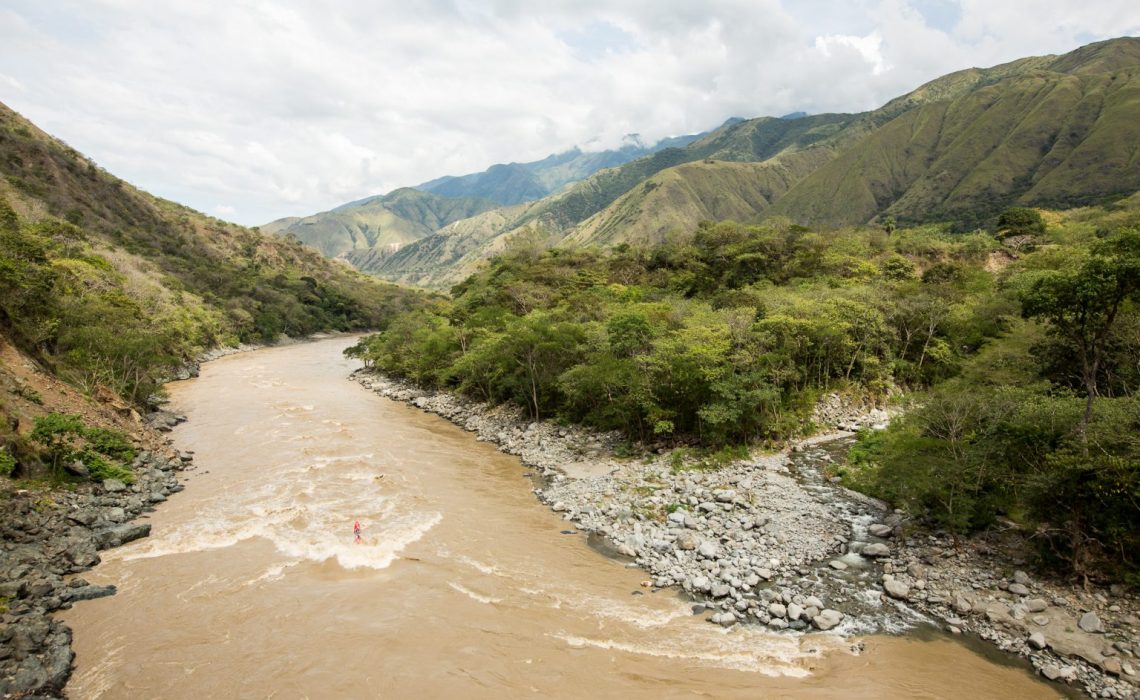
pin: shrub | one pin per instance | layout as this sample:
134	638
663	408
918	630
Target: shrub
64	439
7	463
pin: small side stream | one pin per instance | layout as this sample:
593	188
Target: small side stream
849	578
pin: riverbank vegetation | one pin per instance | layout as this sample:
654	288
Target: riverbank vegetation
729	335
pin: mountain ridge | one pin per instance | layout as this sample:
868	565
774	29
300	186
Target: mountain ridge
1046	130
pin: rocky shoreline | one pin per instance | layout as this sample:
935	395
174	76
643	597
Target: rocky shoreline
770	540
49	535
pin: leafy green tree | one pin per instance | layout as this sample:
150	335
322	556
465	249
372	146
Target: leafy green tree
1020	221
1081	304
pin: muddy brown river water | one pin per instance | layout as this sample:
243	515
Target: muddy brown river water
463	586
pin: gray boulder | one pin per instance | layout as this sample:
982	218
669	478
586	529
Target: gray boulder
121	534
876	550
827	619
688	541
896	589
88	592
114	486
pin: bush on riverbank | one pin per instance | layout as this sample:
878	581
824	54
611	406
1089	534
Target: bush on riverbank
67	444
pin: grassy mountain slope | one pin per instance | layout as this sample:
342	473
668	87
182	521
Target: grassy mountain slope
674	200
747	141
109	286
448	255
1044	131
382	224
504	184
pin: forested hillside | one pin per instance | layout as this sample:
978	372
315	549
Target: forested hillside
115	291
729	335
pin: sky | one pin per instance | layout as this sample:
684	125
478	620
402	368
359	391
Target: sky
251	110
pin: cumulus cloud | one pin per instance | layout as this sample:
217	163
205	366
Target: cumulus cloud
254	110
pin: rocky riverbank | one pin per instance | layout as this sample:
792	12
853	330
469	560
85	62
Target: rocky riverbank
49	536
770	540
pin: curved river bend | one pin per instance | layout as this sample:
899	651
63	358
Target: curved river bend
463	585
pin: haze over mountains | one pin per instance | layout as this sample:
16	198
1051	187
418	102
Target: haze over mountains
1051	131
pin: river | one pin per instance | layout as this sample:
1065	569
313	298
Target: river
463	585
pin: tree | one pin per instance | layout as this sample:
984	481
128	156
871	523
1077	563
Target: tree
1081	305
1020	221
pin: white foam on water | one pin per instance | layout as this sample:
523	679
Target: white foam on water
477	565
272	573
751	652
198	586
473	595
306	511
377	551
640	617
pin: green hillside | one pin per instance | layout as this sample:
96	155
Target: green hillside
380	224
748	141
674	199
449	255
109	286
1055	133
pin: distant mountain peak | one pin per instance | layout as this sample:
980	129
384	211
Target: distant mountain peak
515	183
633	140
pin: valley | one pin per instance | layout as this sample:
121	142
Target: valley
830	404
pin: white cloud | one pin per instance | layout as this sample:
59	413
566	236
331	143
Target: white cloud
869	47
280	108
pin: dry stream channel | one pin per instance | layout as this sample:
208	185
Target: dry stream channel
464	585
